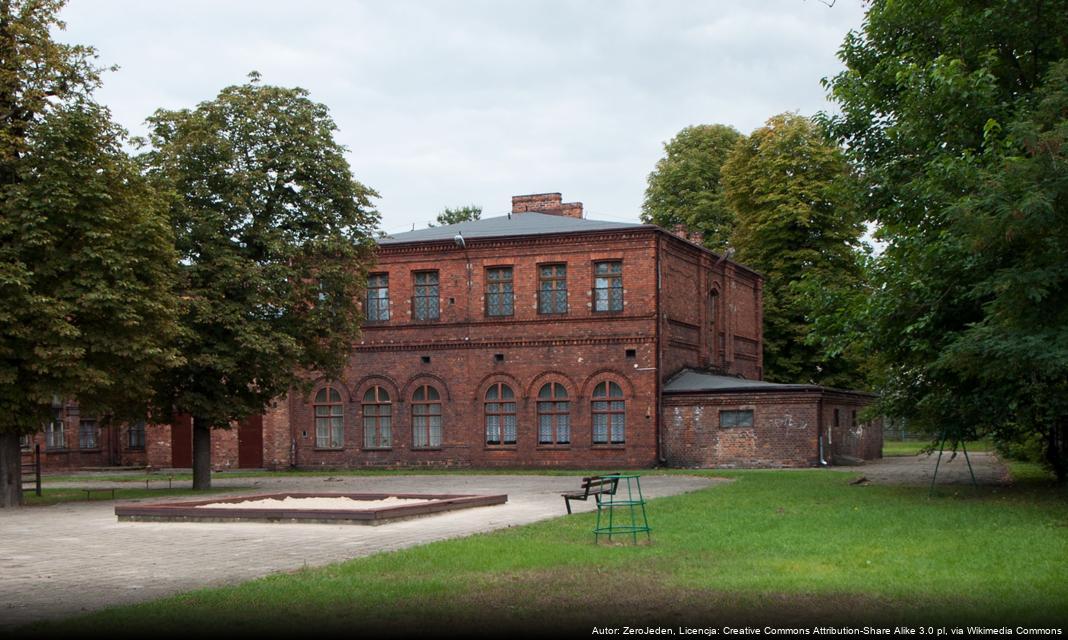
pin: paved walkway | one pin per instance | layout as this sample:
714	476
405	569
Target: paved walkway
61	560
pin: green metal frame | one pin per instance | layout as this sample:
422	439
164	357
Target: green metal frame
632	502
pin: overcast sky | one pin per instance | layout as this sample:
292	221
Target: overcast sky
446	103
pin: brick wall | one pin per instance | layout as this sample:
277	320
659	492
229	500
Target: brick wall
848	433
784	431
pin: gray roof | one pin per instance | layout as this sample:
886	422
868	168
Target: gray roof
689	380
517	224
696	381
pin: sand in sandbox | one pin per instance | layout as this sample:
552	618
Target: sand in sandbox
339	504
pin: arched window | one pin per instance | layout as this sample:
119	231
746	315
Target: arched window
609	414
426	418
377	419
713	333
554	415
500	415
329	419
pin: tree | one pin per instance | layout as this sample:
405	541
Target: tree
86	307
790	189
274	235
685	189
459	214
956	117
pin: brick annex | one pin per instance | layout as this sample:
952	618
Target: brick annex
535	339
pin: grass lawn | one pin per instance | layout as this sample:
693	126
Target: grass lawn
57	496
915	447
794	548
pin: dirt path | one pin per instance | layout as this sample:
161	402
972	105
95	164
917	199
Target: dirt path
918	470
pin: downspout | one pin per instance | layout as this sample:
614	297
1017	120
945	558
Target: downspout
819	430
657	418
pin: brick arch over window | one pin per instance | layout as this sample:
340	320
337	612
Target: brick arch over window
426	378
489	380
361	386
550	376
346	391
614	375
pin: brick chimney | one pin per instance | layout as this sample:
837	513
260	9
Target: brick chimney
681	231
548	203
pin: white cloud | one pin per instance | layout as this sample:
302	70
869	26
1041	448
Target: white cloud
453	102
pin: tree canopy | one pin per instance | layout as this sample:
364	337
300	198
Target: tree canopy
454	215
86	260
684	188
790	190
273	235
955	115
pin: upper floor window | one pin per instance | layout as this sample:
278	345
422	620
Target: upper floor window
377	419
608	286
329	419
87	434
426	418
500	298
500	415
609	414
554	415
135	436
425	304
378	297
552	288
55	435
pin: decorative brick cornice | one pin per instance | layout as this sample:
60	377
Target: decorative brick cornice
501	344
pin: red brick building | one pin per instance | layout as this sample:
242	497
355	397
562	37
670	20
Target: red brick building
538	339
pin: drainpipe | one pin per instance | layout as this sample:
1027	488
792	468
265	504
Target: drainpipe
819	431
658	410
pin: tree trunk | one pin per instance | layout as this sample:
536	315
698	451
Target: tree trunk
10	471
1057	450
201	454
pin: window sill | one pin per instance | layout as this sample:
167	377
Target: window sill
614	445
426	448
501	447
328	448
376	449
141	448
89	449
554	447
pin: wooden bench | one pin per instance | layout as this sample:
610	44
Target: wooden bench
595	486
90	490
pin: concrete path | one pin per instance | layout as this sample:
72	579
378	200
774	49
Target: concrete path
65	559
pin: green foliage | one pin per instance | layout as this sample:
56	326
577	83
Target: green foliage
85	254
957	118
791	192
459	214
274	236
684	188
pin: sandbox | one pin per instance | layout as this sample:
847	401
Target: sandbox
319	508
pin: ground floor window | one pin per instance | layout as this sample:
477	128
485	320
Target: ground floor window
609	414
136	435
55	435
736	418
87	435
426	418
329	419
500	415
377	419
554	415
25	441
